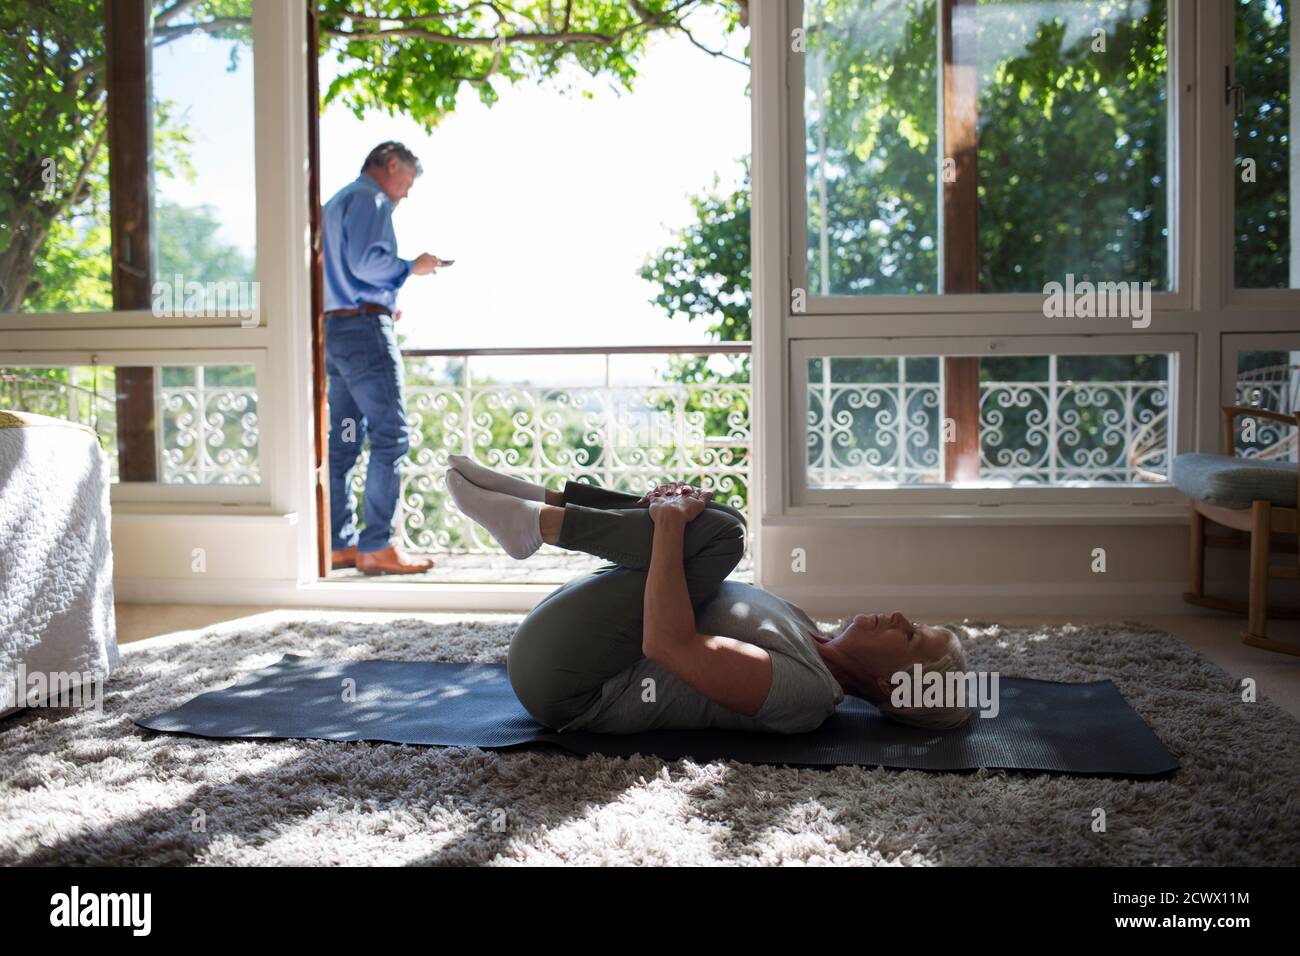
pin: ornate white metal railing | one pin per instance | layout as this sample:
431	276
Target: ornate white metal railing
1073	431
874	432
1276	388
623	436
207	433
21	390
1031	432
630	437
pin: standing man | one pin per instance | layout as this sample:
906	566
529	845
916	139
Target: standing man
362	276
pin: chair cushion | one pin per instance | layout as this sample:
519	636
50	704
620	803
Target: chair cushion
1235	482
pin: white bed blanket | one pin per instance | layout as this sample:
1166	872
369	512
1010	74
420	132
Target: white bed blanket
56	559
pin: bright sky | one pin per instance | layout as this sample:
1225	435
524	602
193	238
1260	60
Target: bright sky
549	204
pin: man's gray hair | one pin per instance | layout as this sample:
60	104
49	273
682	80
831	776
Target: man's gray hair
948	717
381	154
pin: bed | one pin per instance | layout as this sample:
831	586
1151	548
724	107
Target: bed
57	628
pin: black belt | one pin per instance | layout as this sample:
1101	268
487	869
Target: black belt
368	308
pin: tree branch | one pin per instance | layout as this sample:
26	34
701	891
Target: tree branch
168	32
182	29
172	12
427	17
89	162
718	53
564	36
668	20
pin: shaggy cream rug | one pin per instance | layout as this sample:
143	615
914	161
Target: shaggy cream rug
78	787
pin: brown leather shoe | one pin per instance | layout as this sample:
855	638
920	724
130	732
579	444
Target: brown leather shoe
390	560
344	558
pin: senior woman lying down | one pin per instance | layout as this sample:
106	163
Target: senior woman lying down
658	638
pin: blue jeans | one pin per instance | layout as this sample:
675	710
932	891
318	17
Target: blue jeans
365	398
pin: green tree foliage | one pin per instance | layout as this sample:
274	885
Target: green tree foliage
1263	136
1063	128
71	271
1072	152
54	236
52	139
870	101
412	59
705	273
397	56
189	244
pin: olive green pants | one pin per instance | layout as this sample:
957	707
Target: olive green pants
589	629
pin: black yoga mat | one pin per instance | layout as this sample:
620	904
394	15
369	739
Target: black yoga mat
1041	725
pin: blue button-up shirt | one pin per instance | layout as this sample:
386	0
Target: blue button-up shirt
361	263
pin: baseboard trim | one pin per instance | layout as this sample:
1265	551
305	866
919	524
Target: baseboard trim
970	600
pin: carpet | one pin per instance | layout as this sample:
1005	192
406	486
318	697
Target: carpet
79	787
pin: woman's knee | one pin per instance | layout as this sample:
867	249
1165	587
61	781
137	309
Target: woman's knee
715	545
522	667
727	509
531	665
723	532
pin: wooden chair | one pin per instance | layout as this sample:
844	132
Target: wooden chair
1251	498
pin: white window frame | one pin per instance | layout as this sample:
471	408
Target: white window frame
116	319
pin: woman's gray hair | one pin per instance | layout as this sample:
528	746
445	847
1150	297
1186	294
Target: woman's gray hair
948	717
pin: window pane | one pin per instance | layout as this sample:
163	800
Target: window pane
55	243
1069	144
1263	145
1042	419
872	152
54	237
204	198
208	414
873	421
1269	380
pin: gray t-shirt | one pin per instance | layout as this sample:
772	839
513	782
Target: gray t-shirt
803	691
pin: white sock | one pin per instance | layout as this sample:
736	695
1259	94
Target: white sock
515	523
485	477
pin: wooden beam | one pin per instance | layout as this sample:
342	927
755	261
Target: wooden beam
126	31
320	433
960	226
1257	610
1196	552
961	403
